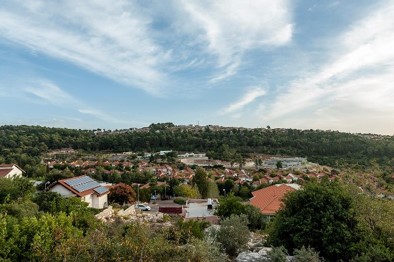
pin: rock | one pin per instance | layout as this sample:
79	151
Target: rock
127	212
262	256
265	250
106	214
256	242
251	257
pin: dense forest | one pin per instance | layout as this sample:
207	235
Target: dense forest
25	144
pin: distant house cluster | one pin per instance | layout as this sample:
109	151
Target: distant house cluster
193	155
199	159
286	162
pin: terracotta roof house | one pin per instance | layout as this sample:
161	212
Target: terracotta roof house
85	188
10	171
269	199
261	181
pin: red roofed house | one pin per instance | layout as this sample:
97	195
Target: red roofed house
269	199
10	171
84	187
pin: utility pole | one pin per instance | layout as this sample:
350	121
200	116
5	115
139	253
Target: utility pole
138	193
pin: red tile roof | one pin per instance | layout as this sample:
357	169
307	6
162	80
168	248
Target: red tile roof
6	168
6	165
269	199
4	171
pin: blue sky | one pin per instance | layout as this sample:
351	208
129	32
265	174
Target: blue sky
120	64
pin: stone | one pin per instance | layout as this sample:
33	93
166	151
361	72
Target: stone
127	212
106	214
251	257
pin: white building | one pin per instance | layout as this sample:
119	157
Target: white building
10	171
85	188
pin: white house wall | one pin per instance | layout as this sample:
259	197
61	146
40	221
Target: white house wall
62	190
99	201
15	172
88	199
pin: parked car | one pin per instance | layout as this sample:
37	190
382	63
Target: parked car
143	207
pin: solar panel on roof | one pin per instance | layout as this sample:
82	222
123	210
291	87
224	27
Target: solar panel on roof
82	183
86	179
83	187
70	182
101	190
78	181
86	186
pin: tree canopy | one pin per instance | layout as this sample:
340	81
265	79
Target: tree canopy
122	194
320	216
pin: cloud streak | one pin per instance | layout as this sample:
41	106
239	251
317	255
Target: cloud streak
51	93
107	38
359	74
119	39
230	28
250	96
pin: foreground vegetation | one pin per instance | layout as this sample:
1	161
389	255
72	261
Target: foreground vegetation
46	227
327	220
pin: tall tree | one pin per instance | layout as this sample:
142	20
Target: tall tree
200	179
320	216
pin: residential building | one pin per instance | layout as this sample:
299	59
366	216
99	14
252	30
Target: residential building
85	188
10	171
269	199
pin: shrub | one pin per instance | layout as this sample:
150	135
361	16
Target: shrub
234	234
278	254
306	254
180	201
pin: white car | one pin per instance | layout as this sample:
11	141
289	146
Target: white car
143	207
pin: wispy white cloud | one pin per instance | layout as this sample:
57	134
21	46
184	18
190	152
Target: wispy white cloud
120	40
50	93
251	95
109	38
359	74
232	27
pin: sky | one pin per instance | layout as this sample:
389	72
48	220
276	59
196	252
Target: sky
303	64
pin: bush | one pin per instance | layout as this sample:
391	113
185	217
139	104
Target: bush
180	201
306	254
185	231
234	234
278	254
377	252
257	221
232	205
